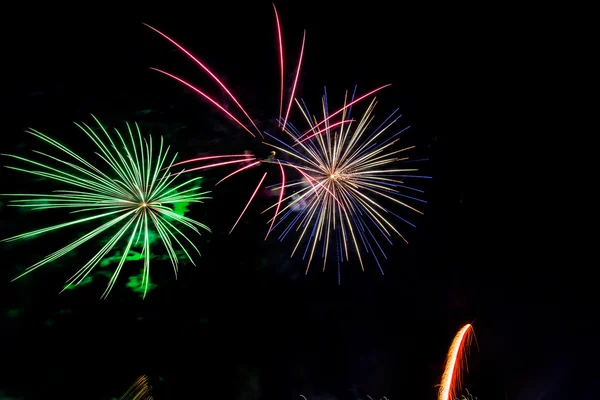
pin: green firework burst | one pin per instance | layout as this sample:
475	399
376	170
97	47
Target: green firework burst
134	196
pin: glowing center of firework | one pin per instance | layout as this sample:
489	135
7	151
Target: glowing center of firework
334	176
144	205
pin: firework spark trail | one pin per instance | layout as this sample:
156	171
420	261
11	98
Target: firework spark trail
134	193
220	164
249	201
281	192
140	390
287	113
207	97
212	158
254	164
246	158
209	72
349	171
281	64
455	362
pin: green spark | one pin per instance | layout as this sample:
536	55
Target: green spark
135	194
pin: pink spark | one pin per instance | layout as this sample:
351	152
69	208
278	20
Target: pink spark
280	199
325	129
216	165
249	201
343	108
287	114
190	55
280	61
211	157
238	170
206	97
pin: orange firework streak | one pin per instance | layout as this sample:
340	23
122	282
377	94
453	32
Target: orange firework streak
139	390
455	361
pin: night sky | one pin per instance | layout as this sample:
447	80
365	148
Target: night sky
246	323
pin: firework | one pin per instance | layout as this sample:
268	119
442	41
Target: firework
455	363
140	390
347	172
130	195
283	117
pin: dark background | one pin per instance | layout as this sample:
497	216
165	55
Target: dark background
247	315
